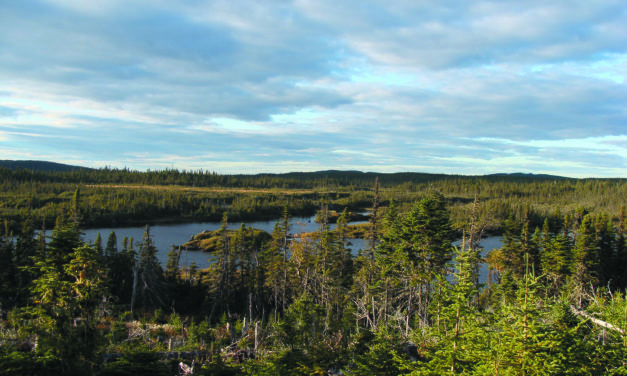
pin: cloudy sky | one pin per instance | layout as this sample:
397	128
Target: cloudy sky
235	86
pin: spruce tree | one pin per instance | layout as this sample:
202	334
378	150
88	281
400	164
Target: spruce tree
172	263
585	267
98	244
605	239
111	248
373	235
277	266
526	341
8	272
345	258
148	285
620	255
456	350
510	260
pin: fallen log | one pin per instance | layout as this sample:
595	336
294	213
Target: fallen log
598	322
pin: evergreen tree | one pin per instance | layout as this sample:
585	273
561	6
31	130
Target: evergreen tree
111	248
525	341
120	268
98	244
529	243
373	235
423	252
457	346
392	230
365	287
620	256
605	239
345	258
76	209
427	230
8	271
328	289
172	264
277	268
67	300
126	244
52	311
473	240
555	258
66	237
456	350
509	260
585	267
223	271
148	285
24	257
89	294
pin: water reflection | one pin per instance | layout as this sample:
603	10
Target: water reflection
164	236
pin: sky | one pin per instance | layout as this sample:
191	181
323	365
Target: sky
447	86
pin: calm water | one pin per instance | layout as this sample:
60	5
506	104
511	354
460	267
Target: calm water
164	236
488	244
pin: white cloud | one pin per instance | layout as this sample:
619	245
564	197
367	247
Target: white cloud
318	84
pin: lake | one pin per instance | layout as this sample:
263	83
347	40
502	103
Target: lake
164	236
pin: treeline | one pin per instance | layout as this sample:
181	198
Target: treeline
111	206
199	178
114	197
331	179
411	303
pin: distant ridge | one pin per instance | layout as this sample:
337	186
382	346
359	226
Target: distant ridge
394	177
40	166
527	175
410	175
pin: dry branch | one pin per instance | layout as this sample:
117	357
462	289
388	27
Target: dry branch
596	321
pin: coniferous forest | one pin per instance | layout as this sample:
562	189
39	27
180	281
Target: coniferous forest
410	303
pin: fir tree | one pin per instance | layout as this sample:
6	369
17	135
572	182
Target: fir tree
585	267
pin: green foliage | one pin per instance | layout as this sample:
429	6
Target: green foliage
302	323
457	329
115	197
585	267
272	305
148	283
199	334
291	362
136	364
381	356
219	368
19	362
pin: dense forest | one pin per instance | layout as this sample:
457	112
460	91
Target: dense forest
411	303
113	197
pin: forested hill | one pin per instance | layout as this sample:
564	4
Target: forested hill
526	175
124	196
552	302
40	166
55	172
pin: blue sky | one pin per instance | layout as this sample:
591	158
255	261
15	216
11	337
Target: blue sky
463	87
